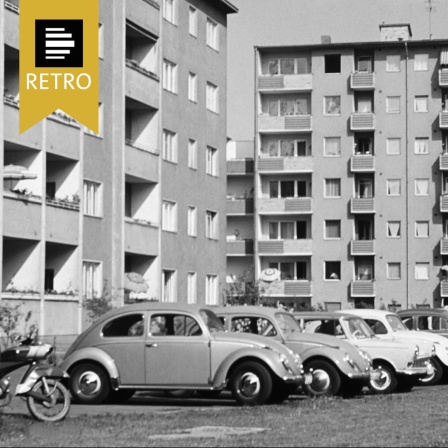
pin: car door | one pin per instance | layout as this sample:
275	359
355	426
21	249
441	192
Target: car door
178	352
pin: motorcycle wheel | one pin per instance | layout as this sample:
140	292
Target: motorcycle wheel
53	411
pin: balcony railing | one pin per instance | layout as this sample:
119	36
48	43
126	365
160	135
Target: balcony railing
443	77
362	247
362	81
239	206
240	247
240	167
362	288
285	205
296	123
286	247
285	164
295	288
444	204
443	119
362	205
443	162
302	82
12	7
362	163
444	288
444	246
362	121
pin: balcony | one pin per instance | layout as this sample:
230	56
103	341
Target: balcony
444	288
362	288
294	288
285	205
443	119
240	167
443	162
290	123
282	83
444	246
63	138
443	77
362	81
24	216
286	247
362	247
362	163
362	205
444	204
141	237
145	14
285	164
240	247
142	85
62	224
11	25
141	163
240	207
362	121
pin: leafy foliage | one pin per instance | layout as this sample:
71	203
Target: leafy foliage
97	306
14	323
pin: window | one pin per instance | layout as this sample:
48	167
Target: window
364	270
394	187
422	229
421	145
192	287
421	103
123	326
332	146
393	63
364	64
393	104
332	270
100	123
92	279
212	99
288	66
332	63
332	229
290	270
332	105
288	189
394	229
421	187
100	40
363	145
393	146
168	286
287	230
169	11
420	62
169	81
169	216
364	188
192	87
170	324
192	221
286	148
284	107
192	154
211	225
193	21
394	271
332	188
211	161
211	290
212	34
422	271
363	103
92	198
169	146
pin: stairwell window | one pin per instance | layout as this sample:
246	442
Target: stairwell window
169	216
192	154
211	161
169	11
168	286
169	76
169	146
192	87
92	198
193	21
192	288
212	33
211	290
211	225
212	98
192	221
92	279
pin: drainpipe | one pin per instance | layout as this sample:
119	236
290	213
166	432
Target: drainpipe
407	177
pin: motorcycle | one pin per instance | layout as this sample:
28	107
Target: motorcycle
47	398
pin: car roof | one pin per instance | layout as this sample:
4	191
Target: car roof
323	314
423	312
364	312
250	309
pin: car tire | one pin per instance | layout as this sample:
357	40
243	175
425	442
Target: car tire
89	384
436	378
326	379
251	383
388	381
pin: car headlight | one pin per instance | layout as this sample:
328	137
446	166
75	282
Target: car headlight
416	351
433	350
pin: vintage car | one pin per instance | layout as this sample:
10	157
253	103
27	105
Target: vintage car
434	320
388	325
400	363
337	367
163	346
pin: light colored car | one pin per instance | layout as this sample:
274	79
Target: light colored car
161	346
337	367
399	363
388	325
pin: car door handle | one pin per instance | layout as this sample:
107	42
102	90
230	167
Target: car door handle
151	345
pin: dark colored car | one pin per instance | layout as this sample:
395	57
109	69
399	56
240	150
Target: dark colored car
434	320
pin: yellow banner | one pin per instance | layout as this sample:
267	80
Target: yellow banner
59	61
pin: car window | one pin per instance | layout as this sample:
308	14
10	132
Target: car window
422	323
409	322
358	328
396	323
377	326
254	325
287	324
212	321
174	325
312	326
129	325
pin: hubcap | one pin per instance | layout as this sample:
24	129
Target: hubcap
383	382
249	384
430	377
321	380
89	383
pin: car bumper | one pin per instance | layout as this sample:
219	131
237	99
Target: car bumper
359	376
424	368
306	378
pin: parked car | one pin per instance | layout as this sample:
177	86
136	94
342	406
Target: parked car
388	325
434	320
162	346
337	367
399	363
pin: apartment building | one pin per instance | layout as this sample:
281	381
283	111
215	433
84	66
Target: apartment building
350	173
138	210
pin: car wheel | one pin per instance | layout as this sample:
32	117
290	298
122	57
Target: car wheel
436	377
251	384
326	379
387	381
89	384
120	396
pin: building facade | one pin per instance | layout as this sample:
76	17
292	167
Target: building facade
136	211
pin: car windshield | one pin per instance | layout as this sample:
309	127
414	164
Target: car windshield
212	321
287	324
358	328
396	323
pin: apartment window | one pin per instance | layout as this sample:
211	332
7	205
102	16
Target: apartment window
421	145
286	148
332	146
332	270
364	270
169	11
211	161
394	271
285	107
192	288
420	62
192	87
92	279
100	123
394	229
422	229
169	146
169	76
212	37
291	271
92	198
288	189
393	146
288	66
332	63
332	105
332	229
393	104
393	187
211	290
421	187
212	99
168	286
284	230
332	188
211	225
393	63
192	221
192	154
421	103
422	271
193	21
100	40
169	216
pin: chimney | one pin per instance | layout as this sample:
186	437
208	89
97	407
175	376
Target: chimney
325	39
395	32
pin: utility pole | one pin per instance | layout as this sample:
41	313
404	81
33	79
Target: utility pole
430	9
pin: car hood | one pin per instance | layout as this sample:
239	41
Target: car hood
316	339
249	339
422	336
